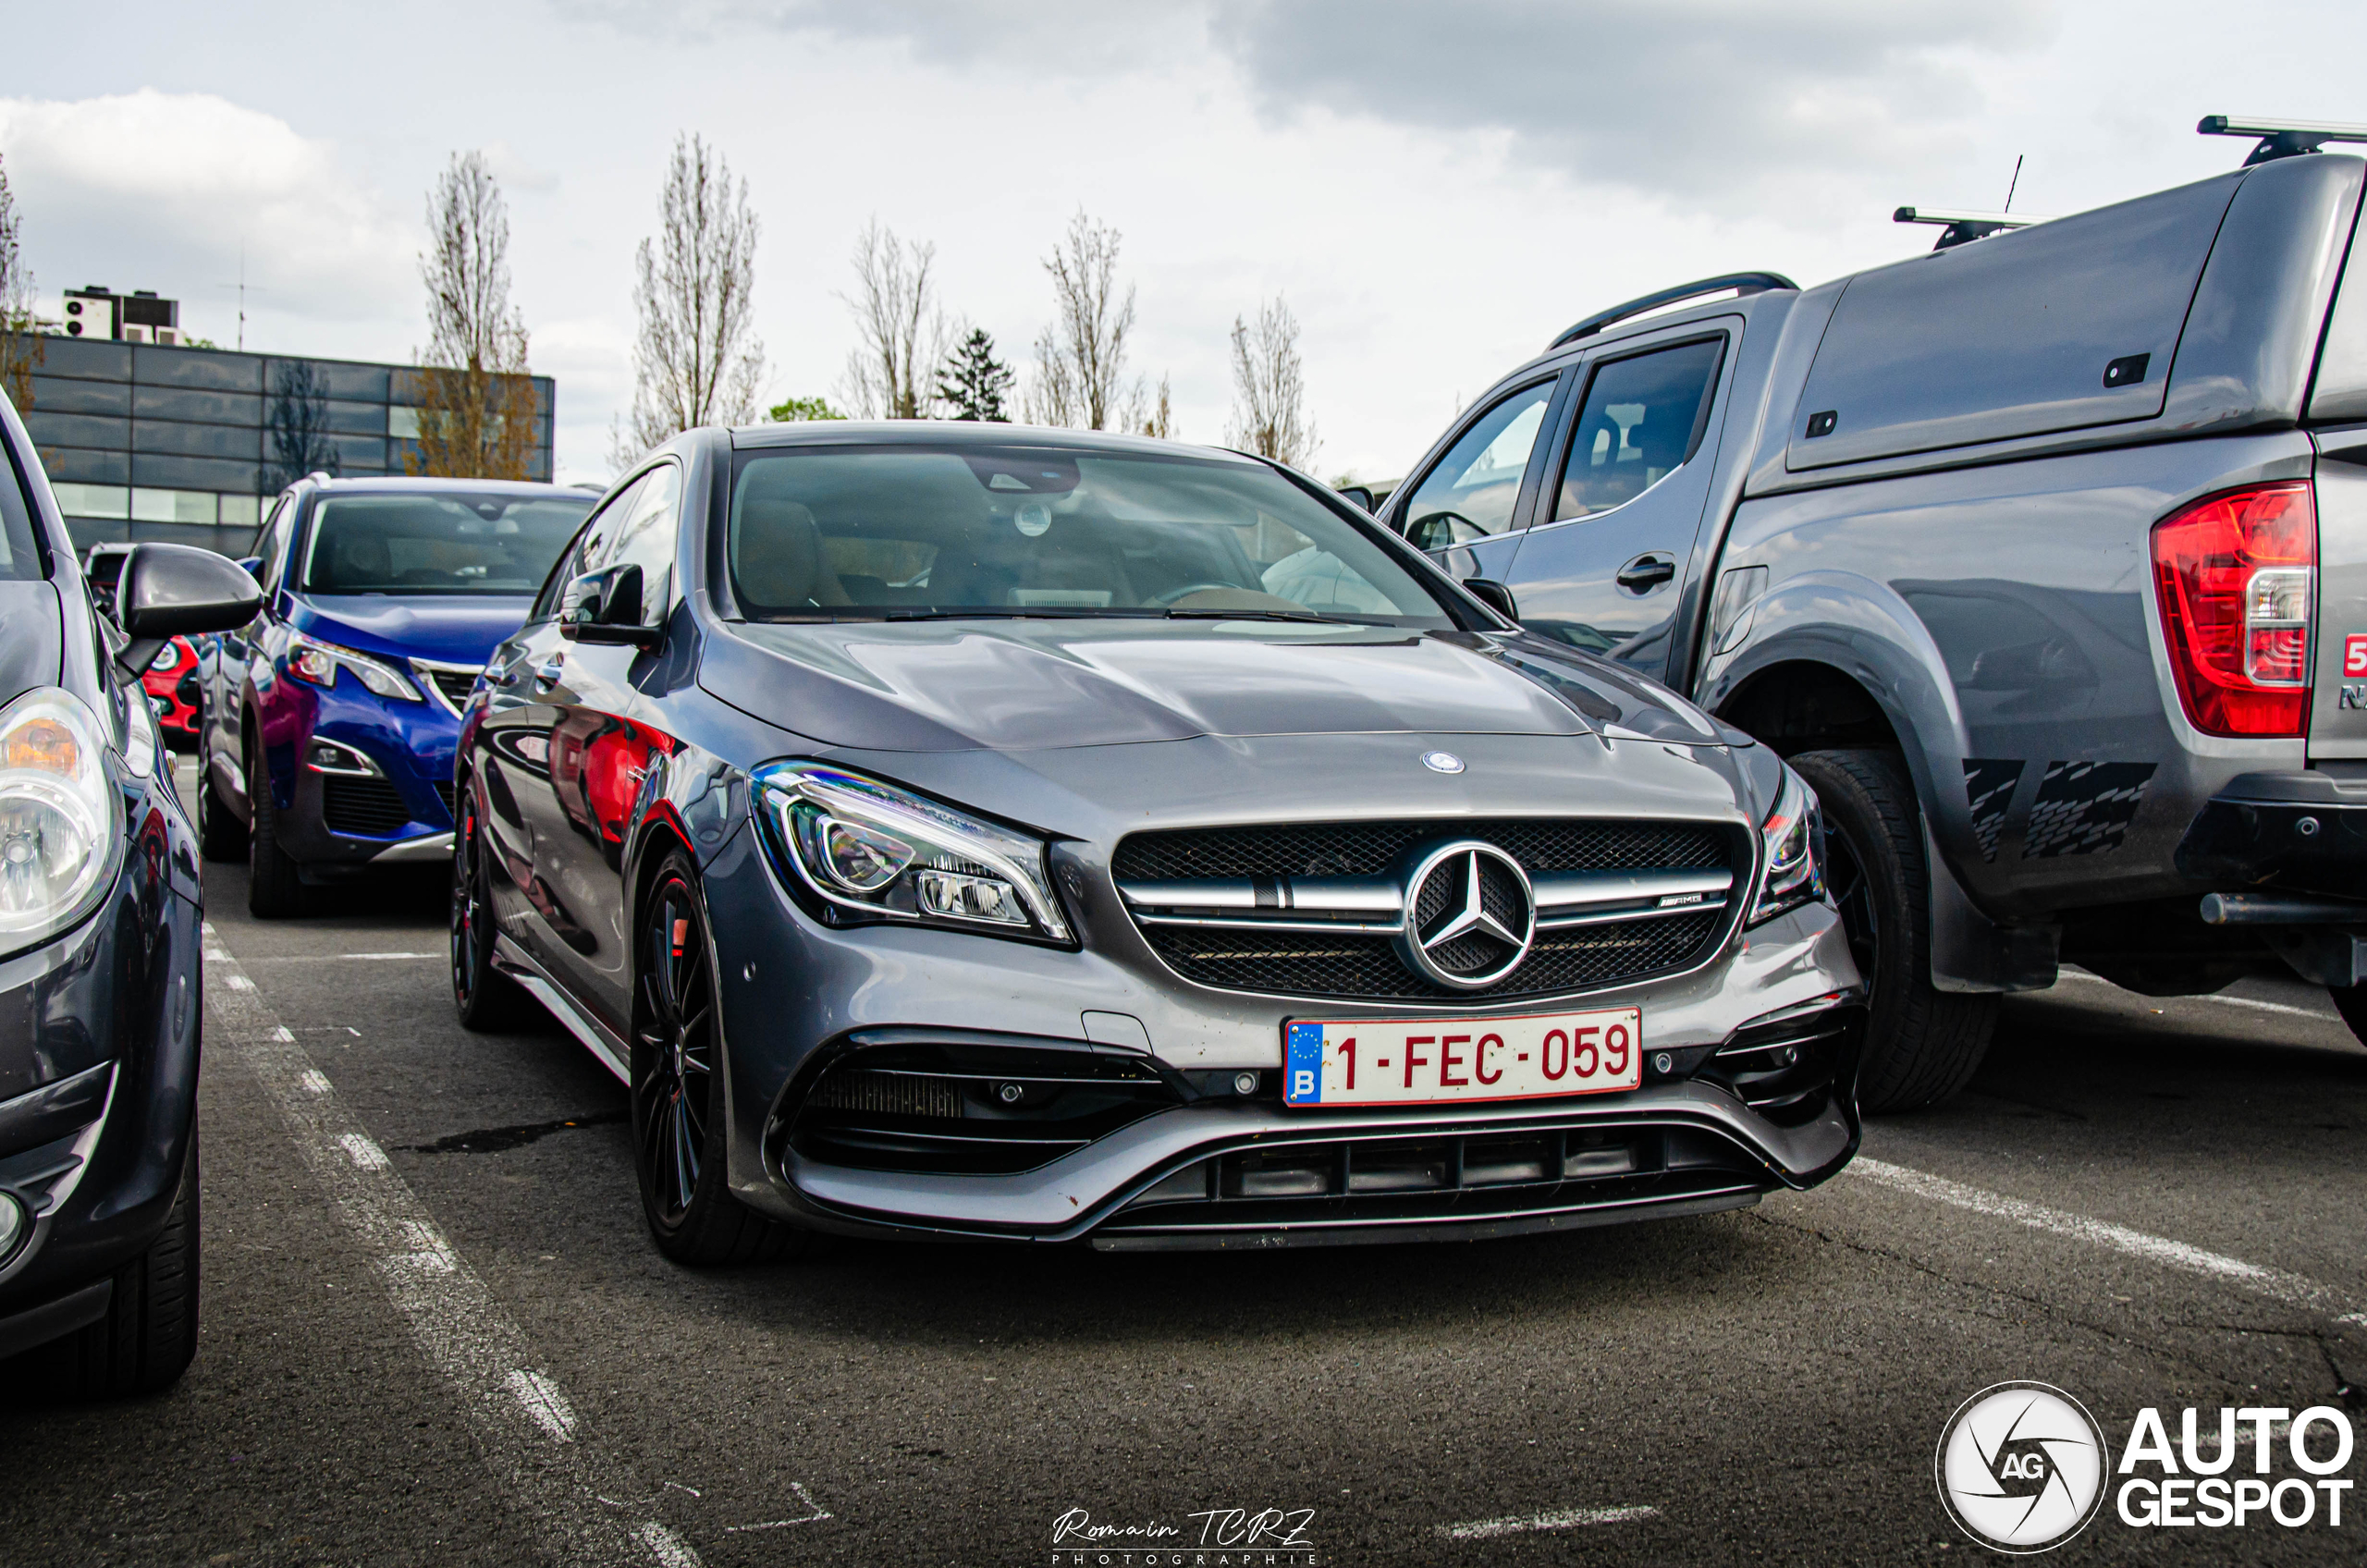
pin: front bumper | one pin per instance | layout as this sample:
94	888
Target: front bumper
1205	1165
98	1087
333	821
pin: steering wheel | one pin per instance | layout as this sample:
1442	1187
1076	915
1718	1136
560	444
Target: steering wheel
1176	596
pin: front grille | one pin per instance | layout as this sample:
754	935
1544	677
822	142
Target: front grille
1370	849
1351	966
454	685
370	807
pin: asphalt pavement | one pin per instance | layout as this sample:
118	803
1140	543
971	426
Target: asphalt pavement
434	1332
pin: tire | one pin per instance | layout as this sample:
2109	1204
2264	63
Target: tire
1923	1043
678	1133
2352	1002
220	834
488	1001
149	1335
274	889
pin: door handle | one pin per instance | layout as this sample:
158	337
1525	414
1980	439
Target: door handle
1646	572
547	676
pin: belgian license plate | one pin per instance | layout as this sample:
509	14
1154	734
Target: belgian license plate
1441	1061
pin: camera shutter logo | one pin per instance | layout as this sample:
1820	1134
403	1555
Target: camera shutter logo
2021	1467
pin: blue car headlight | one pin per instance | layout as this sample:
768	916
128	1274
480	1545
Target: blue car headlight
316	663
873	849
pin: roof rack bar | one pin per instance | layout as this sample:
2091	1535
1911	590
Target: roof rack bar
1741	282
2280	139
1959	226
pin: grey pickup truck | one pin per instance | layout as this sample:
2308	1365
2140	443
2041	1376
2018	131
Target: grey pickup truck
2041	556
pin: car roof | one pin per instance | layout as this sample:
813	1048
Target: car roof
406	485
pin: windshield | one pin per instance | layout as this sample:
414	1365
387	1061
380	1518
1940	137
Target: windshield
440	543
971	531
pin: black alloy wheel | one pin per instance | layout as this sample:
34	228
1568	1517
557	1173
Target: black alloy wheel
1923	1043
677	1099
487	1000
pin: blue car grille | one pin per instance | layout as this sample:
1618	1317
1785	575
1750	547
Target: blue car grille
369	807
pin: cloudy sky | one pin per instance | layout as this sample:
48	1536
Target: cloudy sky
1435	189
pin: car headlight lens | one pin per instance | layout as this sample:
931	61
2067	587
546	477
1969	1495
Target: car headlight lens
60	816
1793	833
872	847
316	663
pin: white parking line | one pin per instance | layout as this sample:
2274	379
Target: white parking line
1564	1519
2277	1284
2326	1015
523	1421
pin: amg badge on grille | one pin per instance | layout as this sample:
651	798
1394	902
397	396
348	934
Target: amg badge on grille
1471	915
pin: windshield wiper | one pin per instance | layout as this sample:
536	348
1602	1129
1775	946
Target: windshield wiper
1261	614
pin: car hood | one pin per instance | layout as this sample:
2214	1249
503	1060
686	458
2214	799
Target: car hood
449	628
1020	685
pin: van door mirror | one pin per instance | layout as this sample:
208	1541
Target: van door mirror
168	591
603	606
1494	594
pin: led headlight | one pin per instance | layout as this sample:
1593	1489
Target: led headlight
1794	834
869	846
60	816
316	663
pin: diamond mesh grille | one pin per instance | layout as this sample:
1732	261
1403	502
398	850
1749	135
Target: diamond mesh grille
1351	966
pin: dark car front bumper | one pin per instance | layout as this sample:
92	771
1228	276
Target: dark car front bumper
98	1087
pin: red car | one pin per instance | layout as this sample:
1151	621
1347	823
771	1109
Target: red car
171	680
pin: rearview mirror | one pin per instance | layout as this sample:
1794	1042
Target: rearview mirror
604	607
168	591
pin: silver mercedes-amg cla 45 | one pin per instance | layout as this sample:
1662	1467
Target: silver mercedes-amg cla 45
991	833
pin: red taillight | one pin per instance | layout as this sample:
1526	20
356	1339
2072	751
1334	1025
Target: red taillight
2234	574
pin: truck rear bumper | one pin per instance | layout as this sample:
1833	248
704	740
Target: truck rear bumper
2299	832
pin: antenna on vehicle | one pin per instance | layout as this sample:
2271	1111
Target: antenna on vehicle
2015	184
2280	139
1960	227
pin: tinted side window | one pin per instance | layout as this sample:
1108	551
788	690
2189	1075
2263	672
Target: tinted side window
19	555
278	532
1472	491
1640	421
645	538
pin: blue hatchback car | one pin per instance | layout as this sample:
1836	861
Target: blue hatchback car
329	722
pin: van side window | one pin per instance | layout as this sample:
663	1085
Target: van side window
1641	418
1471	492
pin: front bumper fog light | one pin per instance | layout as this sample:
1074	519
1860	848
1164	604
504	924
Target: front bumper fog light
12	1225
957	896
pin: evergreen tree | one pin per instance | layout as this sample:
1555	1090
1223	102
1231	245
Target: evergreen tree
972	383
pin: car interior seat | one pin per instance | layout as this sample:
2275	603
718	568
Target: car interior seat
777	560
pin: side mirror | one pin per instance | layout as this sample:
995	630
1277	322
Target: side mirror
1360	496
168	591
603	606
1494	594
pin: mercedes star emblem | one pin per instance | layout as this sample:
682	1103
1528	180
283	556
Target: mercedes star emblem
1442	762
1470	916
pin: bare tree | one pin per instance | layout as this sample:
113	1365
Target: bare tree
696	360
478	405
889	373
20	344
1270	389
1160	418
295	424
1081	358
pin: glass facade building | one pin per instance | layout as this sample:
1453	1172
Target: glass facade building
143	441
